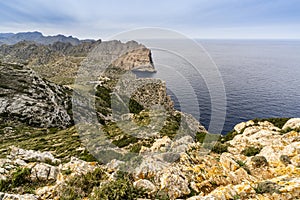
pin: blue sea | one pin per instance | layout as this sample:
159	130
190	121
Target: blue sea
261	79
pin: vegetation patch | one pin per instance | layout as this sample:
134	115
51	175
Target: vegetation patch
62	143
267	187
251	151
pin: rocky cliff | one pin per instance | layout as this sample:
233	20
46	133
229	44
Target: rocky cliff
60	61
25	97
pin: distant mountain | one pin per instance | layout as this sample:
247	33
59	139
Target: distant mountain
37	37
60	61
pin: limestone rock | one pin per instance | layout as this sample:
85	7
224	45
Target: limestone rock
228	162
25	97
44	172
145	184
5	196
292	123
138	59
174	182
32	156
239	127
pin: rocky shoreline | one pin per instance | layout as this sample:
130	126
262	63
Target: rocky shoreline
48	150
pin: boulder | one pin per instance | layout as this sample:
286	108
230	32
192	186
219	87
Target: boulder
44	172
292	124
145	184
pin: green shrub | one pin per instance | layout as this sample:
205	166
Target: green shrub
288	129
79	187
267	187
259	161
125	141
67	171
219	148
20	177
251	151
120	189
172	124
5	185
229	136
285	159
278	122
200	136
134	106
240	163
243	165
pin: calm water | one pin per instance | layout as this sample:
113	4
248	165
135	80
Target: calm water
261	80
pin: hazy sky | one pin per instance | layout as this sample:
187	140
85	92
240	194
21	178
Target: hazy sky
194	18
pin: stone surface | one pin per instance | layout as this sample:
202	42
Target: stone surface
292	123
25	97
145	184
22	155
5	196
44	172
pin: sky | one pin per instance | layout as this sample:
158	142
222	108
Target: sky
215	19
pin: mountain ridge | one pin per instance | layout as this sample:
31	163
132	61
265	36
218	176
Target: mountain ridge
38	37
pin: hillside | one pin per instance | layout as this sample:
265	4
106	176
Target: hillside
76	123
60	61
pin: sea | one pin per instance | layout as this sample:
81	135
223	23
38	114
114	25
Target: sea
251	79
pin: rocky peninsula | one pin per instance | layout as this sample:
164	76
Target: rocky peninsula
47	150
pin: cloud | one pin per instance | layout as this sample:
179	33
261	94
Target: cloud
93	18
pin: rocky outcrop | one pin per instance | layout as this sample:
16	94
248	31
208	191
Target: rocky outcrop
272	173
138	59
25	97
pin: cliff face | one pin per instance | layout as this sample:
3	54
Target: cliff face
138	59
26	97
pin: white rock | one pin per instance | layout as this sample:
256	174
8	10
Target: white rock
292	123
20	162
145	184
42	171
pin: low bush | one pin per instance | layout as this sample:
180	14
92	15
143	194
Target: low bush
251	151
120	189
259	161
267	187
219	148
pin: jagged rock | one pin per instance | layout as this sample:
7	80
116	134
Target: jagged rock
76	167
32	156
138	59
174	182
114	165
25	97
239	127
161	145
150	166
43	172
228	162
